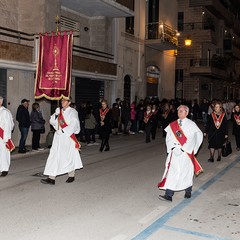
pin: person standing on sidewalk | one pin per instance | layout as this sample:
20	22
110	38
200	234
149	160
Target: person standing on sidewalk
183	140
24	123
6	144
37	126
64	154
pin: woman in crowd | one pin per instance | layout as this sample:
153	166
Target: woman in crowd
37	126
90	126
148	120
166	117
217	130
236	125
105	125
155	120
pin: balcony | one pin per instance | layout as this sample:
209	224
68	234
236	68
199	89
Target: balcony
231	47
214	68
160	36
216	7
95	8
203	30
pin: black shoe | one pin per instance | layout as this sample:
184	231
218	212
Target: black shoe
101	149
107	149
187	195
22	151
165	198
4	173
70	179
219	159
210	160
48	181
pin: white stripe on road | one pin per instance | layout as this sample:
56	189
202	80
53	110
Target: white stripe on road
119	237
152	215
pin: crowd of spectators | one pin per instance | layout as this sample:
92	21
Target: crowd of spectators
145	116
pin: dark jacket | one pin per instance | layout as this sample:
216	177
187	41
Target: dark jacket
37	121
23	117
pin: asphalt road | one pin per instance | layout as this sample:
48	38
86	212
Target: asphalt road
115	197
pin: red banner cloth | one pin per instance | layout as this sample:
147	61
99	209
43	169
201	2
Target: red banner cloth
53	78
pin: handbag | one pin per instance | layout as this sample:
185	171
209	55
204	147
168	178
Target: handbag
43	130
226	148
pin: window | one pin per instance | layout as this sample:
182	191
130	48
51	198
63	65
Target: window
180	21
130	25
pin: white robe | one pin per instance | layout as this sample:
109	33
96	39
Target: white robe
64	157
181	170
6	123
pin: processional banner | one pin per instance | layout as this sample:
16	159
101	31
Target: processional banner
54	69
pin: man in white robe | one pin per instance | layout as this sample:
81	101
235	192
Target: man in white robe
6	145
183	141
64	154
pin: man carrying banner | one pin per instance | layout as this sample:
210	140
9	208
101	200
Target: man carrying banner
6	144
183	140
64	154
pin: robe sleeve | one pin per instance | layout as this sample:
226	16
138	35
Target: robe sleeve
8	125
73	124
54	120
194	140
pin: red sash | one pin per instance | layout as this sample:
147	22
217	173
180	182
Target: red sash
217	120
9	144
147	116
237	118
63	124
103	113
178	133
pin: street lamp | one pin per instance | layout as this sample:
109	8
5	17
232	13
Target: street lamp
188	42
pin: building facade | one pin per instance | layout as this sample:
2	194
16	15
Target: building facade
122	48
209	68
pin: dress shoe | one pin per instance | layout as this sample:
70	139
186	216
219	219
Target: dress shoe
219	159
210	160
165	198
70	179
4	173
22	151
48	181
187	195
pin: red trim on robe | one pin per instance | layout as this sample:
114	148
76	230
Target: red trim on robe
62	123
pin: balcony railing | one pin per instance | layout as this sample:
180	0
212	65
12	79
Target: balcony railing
216	62
196	26
162	32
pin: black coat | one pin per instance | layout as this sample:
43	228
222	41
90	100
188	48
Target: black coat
23	117
235	126
216	136
106	129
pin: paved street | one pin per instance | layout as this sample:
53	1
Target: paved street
115	197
